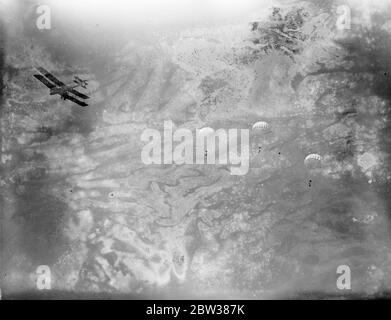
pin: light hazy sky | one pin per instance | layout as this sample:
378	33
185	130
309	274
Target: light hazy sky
155	12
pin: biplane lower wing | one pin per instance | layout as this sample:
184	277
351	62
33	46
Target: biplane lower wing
73	99
79	94
44	81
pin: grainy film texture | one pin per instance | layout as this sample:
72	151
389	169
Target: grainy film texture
195	149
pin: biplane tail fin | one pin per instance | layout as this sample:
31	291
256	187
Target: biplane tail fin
81	82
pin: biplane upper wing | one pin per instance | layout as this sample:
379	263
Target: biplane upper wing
51	77
73	99
45	81
79	94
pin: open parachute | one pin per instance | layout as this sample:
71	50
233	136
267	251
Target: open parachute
261	126
313	160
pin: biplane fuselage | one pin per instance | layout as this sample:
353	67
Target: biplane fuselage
63	89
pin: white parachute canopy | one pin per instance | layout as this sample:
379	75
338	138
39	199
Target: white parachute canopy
261	126
313	160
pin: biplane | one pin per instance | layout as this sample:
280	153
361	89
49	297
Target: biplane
66	91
